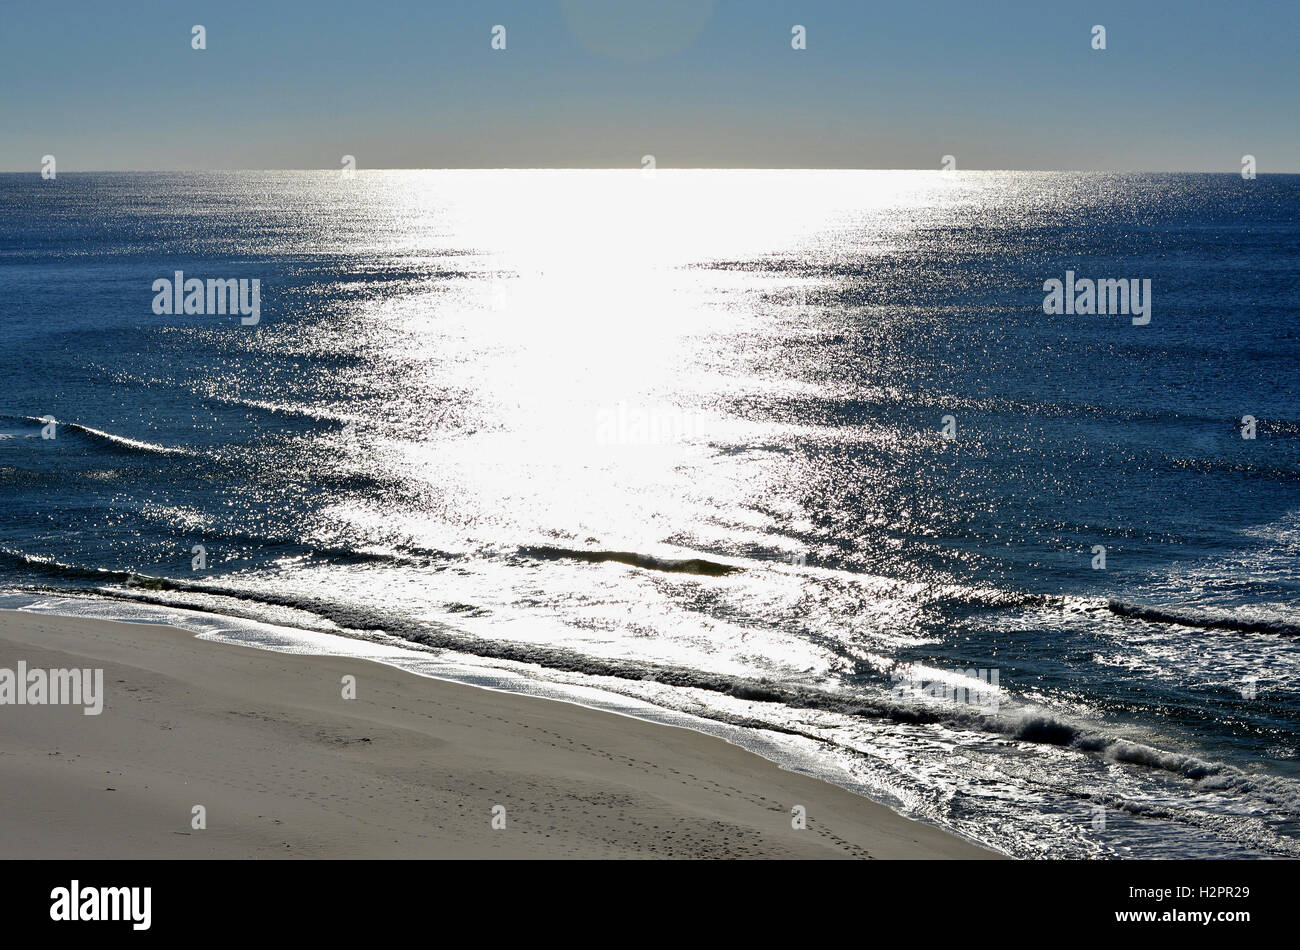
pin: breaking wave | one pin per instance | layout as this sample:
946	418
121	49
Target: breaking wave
1201	619
112	440
693	565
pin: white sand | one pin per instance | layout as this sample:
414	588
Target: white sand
411	768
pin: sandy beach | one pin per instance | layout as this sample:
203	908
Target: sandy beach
284	766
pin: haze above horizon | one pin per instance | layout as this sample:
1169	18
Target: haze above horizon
693	83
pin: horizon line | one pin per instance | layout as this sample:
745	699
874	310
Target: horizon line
640	170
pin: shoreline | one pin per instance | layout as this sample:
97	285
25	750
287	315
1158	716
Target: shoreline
412	767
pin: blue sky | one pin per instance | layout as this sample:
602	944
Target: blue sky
599	83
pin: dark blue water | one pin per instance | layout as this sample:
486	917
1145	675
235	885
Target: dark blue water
682	439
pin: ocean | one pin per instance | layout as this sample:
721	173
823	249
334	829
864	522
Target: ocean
798	457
